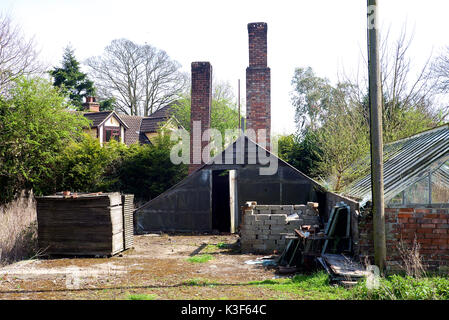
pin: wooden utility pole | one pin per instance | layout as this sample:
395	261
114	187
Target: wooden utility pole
375	104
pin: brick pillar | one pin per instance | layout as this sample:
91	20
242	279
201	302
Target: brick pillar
258	105
201	98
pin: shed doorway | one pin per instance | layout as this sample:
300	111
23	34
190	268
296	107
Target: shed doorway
223	200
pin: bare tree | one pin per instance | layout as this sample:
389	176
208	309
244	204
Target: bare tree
17	54
440	69
404	92
141	78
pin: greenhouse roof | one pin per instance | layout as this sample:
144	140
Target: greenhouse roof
405	162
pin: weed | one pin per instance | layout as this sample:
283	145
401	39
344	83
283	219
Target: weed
142	297
202	258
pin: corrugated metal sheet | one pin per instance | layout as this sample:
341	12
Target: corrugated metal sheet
405	161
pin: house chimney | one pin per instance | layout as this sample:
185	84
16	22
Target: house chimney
91	105
201	99
258	105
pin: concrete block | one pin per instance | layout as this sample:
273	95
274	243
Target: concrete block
277	230
261	207
287	207
312	204
262	217
274	207
278	216
300	207
264	211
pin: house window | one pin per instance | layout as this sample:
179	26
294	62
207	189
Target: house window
111	133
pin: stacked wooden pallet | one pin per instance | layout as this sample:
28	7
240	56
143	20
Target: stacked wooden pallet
128	223
85	224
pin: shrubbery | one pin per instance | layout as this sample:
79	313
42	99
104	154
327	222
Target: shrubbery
397	287
35	127
143	170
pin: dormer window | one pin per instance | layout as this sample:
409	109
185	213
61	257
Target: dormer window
111	133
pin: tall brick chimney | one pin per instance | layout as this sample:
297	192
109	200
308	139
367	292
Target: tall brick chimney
201	99
258	105
91	105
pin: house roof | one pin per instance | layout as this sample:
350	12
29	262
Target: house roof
151	124
166	111
98	118
405	161
133	133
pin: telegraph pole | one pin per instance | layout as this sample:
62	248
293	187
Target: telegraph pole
375	105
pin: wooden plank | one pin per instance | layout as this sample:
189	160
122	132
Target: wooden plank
344	266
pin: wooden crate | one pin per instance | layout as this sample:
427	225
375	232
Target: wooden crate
85	225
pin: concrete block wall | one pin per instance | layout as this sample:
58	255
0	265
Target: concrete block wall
266	228
429	226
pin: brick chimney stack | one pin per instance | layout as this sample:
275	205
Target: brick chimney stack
91	105
258	105
201	99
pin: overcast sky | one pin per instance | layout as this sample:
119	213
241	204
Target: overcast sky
327	35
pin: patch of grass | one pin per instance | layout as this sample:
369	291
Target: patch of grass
315	286
201	258
398	287
142	297
222	245
198	282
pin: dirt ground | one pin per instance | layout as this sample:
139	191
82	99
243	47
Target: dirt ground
157	267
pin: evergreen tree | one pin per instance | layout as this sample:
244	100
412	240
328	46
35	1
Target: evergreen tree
74	83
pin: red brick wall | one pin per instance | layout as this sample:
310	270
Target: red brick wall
201	98
258	88
429	225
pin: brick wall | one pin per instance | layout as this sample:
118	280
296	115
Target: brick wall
258	88
201	98
264	228
430	226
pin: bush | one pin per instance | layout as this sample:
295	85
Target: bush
35	127
147	170
143	170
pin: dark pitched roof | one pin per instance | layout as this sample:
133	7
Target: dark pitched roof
151	124
166	112
132	135
97	117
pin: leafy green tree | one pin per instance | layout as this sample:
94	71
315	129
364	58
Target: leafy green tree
74	83
147	170
310	98
35	127
303	154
